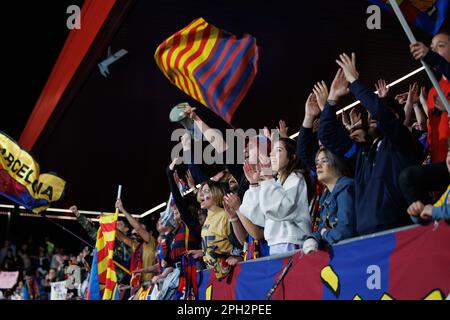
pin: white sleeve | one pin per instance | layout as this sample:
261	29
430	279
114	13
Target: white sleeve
284	203
250	207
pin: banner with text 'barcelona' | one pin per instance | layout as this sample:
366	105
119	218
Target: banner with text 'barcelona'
21	180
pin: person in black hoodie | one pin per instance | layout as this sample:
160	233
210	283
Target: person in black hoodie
388	149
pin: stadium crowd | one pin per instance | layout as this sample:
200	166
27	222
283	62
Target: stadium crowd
381	165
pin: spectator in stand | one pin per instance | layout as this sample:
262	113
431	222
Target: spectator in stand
411	101
283	202
122	252
24	258
218	239
417	181
73	276
441	209
9	262
388	150
308	145
438	126
7	245
46	284
337	203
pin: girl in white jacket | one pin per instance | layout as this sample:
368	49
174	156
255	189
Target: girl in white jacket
282	204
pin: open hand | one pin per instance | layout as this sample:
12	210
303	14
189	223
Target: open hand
348	65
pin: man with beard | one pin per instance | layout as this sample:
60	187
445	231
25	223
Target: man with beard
388	149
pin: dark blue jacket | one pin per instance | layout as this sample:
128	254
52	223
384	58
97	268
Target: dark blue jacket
379	203
337	212
307	147
438	62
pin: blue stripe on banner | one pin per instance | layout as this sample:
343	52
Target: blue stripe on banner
26	200
218	69
238	88
442	7
362	268
256	279
229	74
202	282
218	48
94	286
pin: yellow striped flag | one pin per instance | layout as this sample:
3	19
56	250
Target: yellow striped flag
211	65
103	280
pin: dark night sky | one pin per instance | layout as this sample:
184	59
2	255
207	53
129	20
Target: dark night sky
116	130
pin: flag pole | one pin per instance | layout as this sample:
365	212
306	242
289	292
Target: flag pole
412	39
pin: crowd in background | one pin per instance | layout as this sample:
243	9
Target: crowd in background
381	165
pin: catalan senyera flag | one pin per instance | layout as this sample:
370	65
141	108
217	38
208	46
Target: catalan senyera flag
425	14
21	180
211	65
102	279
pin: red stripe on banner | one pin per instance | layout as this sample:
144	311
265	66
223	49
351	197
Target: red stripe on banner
108	227
420	262
175	44
162	47
201	48
213	67
93	15
224	289
304	271
184	73
102	254
237	74
102	277
246	86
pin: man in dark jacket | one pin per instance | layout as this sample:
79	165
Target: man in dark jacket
387	150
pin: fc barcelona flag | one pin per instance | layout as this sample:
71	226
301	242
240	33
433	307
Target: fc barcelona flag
211	65
21	180
425	14
102	279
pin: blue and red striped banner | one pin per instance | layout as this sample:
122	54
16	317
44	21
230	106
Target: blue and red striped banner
425	14
408	264
211	65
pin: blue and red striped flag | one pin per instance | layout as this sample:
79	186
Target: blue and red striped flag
102	279
425	14
211	65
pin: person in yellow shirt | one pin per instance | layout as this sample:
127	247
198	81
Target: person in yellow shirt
218	241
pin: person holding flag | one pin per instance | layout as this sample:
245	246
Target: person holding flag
143	244
102	279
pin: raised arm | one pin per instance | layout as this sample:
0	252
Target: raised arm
185	213
145	235
121	237
88	226
436	61
231	204
387	122
215	139
307	144
332	134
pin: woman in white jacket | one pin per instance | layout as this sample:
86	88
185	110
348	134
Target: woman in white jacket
282	204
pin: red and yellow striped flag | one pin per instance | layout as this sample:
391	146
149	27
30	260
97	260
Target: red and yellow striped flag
211	65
